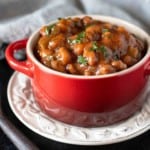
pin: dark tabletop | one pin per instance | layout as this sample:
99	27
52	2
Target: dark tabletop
141	142
5	143
5	72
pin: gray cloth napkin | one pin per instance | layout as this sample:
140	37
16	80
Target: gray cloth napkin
19	18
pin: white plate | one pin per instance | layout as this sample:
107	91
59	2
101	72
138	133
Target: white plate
23	105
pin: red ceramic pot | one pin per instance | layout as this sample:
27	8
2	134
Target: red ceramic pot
85	94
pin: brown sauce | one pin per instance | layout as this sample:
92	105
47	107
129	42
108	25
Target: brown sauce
84	46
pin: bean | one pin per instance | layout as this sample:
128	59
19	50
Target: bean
118	41
91	56
128	60
121	29
80	68
107	26
93	28
62	25
106	38
64	55
87	20
43	42
93	32
107	34
90	70
77	22
133	52
56	41
46	60
71	68
78	49
45	52
118	64
57	65
105	69
87	73
43	46
55	31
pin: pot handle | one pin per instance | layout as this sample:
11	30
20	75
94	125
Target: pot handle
21	66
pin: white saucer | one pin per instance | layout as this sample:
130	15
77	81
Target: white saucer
23	105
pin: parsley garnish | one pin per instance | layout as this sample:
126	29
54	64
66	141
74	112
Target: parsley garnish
103	48
81	35
116	57
79	38
94	46
97	48
105	30
49	29
82	60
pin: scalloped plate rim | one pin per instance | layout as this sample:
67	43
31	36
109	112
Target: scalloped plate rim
63	140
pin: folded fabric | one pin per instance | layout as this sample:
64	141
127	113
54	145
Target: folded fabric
18	19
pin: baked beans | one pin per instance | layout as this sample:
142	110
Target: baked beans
84	46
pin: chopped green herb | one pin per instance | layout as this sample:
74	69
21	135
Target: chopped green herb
69	41
81	35
102	48
75	41
82	60
105	30
49	29
79	38
97	48
94	46
116	57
